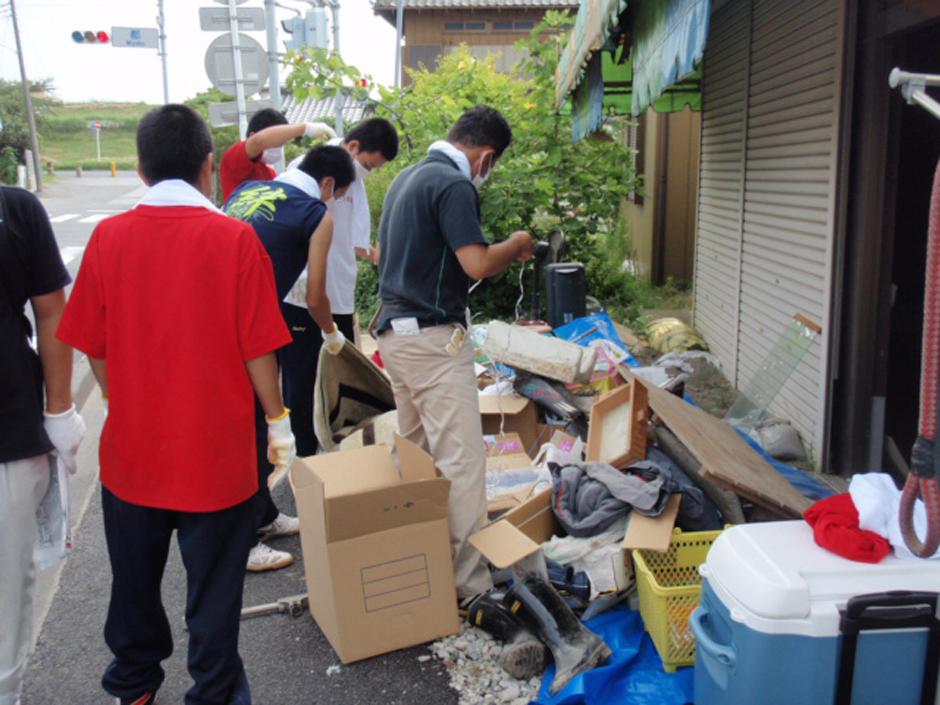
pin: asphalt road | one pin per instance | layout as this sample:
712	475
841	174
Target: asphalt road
288	660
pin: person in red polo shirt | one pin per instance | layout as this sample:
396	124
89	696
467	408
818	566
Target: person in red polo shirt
253	158
177	451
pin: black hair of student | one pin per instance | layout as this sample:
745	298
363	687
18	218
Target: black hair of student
482	126
375	135
173	142
325	160
265	118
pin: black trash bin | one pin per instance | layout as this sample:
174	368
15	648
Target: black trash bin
564	284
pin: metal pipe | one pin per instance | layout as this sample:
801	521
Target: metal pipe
27	99
161	50
926	102
274	85
340	97
237	65
399	25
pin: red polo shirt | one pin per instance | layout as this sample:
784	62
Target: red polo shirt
237	167
176	299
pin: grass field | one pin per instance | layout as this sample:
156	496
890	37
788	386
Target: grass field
66	138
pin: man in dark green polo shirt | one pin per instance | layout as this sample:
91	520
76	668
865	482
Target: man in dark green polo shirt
432	246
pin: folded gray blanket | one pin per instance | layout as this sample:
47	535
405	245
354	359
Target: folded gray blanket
588	497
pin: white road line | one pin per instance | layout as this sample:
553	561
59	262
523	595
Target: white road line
95	217
70	253
64	217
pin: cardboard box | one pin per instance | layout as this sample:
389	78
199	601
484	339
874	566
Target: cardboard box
521	532
376	548
506	453
519	413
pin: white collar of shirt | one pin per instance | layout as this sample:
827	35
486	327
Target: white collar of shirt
175	192
302	180
459	158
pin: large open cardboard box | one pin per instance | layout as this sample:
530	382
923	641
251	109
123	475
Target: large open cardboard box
376	548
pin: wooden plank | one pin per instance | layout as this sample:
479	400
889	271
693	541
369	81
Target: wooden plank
725	457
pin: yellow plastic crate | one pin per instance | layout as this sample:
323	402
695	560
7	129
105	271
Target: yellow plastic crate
669	587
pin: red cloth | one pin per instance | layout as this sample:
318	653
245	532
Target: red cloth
176	299
377	359
835	528
237	167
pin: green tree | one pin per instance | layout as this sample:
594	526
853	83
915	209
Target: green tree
15	132
544	181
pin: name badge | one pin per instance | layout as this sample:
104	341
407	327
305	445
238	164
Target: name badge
405	326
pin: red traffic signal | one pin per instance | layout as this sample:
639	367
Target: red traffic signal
89	37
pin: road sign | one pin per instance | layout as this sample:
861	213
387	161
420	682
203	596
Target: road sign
135	37
221	68
215	19
224	114
97	124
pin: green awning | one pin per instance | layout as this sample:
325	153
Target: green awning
658	65
592	26
668	43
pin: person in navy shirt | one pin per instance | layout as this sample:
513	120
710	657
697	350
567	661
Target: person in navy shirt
290	216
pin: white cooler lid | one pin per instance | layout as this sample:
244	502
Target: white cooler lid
773	577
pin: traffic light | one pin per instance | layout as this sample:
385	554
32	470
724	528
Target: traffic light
90	37
297	30
315	29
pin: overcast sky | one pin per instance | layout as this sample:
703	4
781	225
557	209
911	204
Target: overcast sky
106	73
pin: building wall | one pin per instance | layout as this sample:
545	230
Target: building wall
663	235
430	33
772	77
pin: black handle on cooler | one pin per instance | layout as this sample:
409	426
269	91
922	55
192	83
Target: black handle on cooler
897	609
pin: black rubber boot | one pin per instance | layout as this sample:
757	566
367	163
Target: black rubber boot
523	654
544	612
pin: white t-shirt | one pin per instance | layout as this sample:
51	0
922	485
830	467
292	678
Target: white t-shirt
351	229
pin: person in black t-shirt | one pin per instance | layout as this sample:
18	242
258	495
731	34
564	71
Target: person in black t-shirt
37	415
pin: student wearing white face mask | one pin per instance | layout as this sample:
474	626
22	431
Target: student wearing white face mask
432	247
371	144
253	158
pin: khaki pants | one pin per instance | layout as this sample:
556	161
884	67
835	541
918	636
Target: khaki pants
438	410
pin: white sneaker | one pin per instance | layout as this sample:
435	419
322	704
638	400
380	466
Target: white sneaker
283	525
262	558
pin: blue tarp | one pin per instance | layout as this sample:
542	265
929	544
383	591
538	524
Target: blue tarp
594	327
633	674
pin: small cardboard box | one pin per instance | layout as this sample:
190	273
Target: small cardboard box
376	548
519	413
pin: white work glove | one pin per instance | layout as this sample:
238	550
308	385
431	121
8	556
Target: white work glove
334	342
319	130
282	449
66	431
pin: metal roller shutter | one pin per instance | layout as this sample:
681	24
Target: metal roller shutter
780	247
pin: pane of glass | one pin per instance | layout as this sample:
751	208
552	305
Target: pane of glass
502	26
453	26
525	25
475	26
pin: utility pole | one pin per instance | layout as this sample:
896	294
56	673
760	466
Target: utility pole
237	62
340	96
162	51
399	22
27	99
274	85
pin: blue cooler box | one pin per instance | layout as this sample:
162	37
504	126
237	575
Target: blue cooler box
784	622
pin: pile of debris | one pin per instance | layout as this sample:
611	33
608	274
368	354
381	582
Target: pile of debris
590	471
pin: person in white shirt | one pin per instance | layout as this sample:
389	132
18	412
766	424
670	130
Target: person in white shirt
372	143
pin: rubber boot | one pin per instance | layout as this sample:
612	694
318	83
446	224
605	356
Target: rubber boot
523	654
542	610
